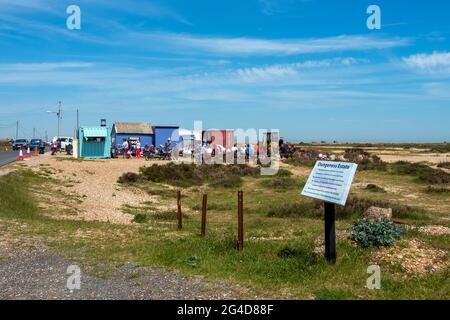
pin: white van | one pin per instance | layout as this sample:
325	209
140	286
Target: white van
64	141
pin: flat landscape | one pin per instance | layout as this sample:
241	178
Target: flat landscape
117	220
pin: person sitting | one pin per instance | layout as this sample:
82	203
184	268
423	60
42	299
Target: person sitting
160	151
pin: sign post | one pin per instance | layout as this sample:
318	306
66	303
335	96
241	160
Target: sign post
330	181
330	232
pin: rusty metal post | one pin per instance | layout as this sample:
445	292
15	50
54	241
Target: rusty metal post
204	208
180	215
240	243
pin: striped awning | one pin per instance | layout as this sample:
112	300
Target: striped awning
95	132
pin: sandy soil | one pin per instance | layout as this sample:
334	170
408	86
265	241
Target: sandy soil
433	158
93	183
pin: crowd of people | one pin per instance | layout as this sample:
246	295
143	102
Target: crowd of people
130	149
56	146
198	151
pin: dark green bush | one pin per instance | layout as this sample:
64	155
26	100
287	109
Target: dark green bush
283	173
229	181
129	177
140	218
300	162
445	165
374	188
356	206
438	176
365	160
376	233
435	190
441	148
280	183
186	175
422	171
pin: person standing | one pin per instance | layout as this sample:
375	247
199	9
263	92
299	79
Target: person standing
138	149
124	148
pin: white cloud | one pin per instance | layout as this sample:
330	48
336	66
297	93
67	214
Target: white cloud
253	46
49	66
435	62
290	71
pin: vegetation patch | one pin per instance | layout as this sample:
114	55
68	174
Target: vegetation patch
140	218
280	183
375	233
296	210
437	190
440	148
445	165
129	177
15	199
356	206
301	162
374	188
423	172
365	160
186	175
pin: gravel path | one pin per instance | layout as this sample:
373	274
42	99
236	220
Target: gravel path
39	274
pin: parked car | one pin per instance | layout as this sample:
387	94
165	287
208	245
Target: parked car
38	143
20	143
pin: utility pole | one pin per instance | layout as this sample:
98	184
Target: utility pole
58	115
34	133
46	136
78	124
17	130
59	120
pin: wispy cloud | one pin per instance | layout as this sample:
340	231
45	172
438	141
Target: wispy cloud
263	47
272	7
33	67
436	62
291	70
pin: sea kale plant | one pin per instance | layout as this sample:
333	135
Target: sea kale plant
377	233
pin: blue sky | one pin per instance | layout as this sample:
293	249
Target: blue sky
310	68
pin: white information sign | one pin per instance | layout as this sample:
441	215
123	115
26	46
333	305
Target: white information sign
330	181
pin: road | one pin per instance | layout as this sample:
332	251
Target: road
8	157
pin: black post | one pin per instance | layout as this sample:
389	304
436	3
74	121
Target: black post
240	244
204	208
330	232
180	215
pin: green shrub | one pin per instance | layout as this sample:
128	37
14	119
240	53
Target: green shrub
374	188
186	175
365	160
368	233
445	165
436	177
435	190
299	162
229	181
422	171
140	218
279	183
129	177
356	206
283	173
441	148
